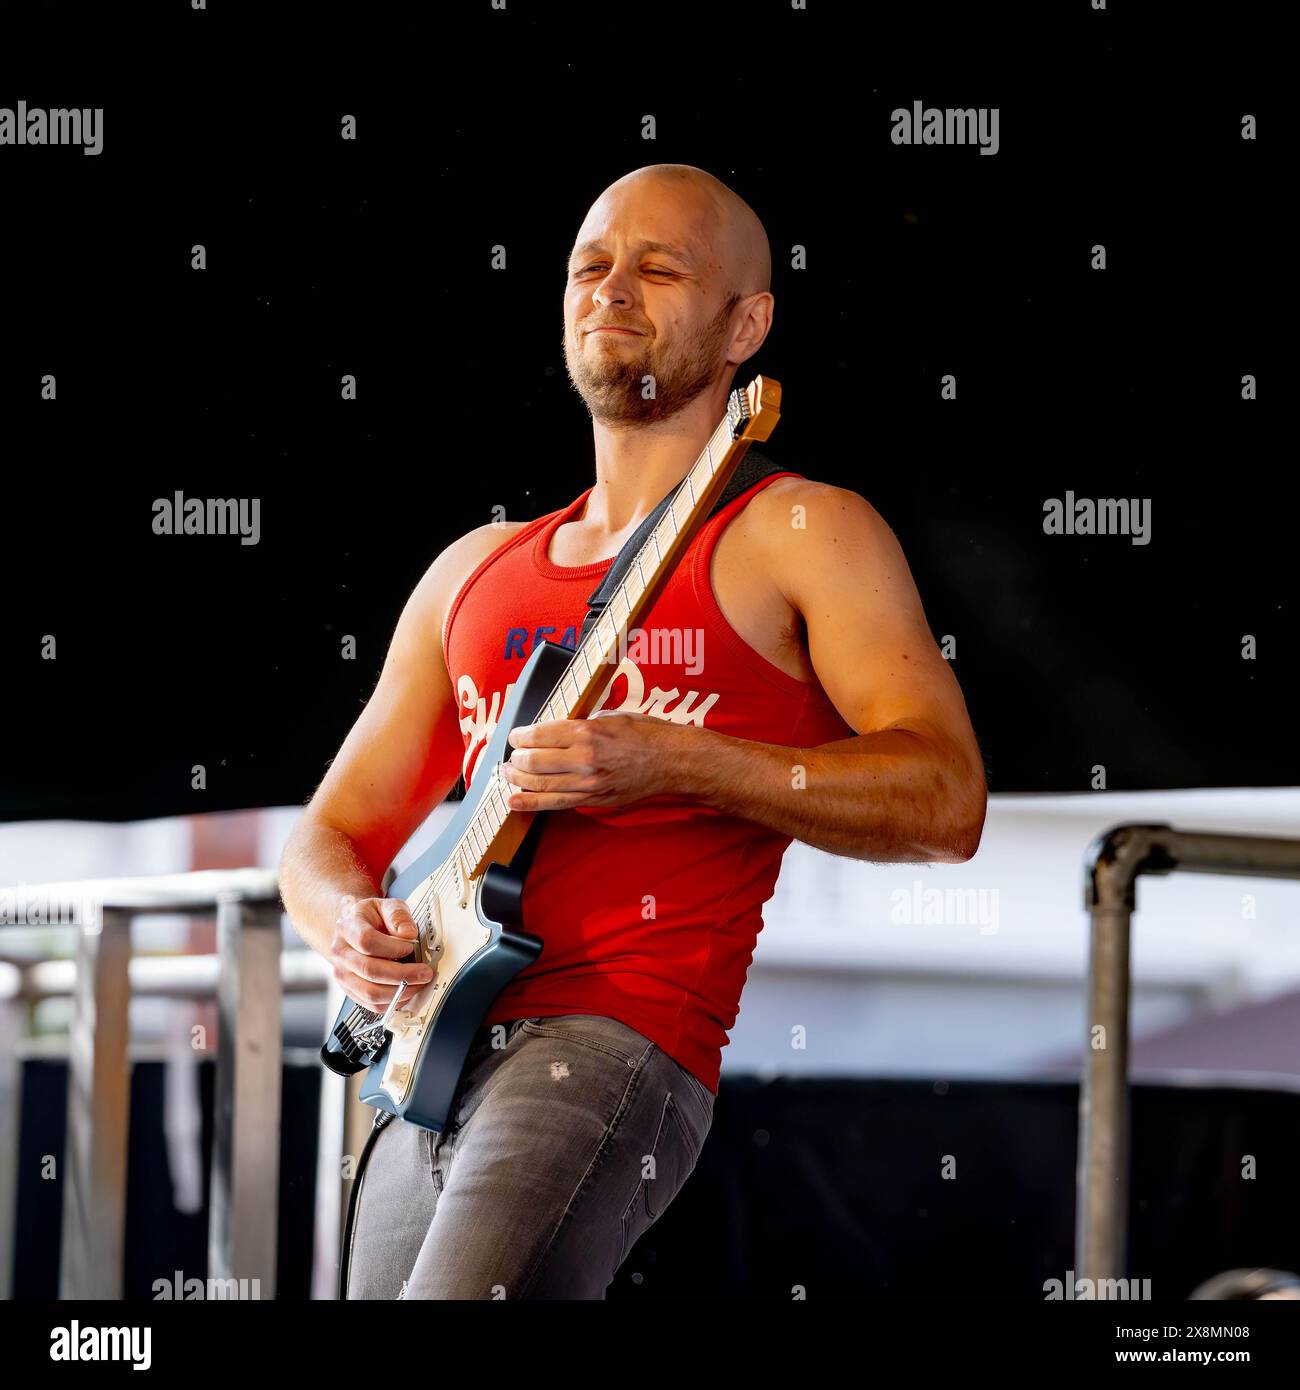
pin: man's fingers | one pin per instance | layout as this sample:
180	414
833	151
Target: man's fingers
397	918
548	761
379	927
552	733
374	941
552	801
381	971
374	997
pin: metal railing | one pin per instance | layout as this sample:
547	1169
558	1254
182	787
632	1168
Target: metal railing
248	982
1114	861
251	976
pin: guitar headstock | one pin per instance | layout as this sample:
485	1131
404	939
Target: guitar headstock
753	412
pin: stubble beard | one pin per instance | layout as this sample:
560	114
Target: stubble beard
614	387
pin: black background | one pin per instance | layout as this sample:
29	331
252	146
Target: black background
479	127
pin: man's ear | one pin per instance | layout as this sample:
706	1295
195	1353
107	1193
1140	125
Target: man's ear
755	323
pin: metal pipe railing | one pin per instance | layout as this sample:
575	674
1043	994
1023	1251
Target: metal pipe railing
249	991
246	1158
1113	863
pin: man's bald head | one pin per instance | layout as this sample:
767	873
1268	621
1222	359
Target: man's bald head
740	240
668	283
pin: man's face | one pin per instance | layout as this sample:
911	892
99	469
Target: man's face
646	261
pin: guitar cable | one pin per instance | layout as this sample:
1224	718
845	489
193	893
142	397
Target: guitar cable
345	1254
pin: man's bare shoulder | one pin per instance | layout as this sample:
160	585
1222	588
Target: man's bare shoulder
789	508
775	507
454	564
845	528
469	551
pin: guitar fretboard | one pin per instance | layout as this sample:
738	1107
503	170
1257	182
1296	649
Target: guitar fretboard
598	649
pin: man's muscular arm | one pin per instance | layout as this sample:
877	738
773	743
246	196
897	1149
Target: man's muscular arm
399	760
886	796
908	788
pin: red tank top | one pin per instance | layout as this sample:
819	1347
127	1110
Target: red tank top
649	912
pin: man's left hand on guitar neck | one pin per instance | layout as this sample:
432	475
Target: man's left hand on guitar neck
610	759
874	796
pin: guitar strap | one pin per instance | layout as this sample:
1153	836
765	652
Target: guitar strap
749	470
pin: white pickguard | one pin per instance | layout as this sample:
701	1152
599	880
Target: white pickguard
453	936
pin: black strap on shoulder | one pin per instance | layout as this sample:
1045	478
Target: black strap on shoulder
750	470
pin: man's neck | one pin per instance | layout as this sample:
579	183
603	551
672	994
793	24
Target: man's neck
636	467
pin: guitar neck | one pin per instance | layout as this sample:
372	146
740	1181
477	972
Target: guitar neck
578	690
495	832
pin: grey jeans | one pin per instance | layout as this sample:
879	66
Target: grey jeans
568	1138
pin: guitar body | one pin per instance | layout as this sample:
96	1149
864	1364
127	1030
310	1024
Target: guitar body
474	940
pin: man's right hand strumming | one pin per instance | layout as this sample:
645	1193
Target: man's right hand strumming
372	938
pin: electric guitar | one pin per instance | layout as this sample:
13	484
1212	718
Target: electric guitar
465	891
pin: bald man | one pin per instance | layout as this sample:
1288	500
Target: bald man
809	702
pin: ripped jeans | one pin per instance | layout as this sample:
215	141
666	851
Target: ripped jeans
564	1145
